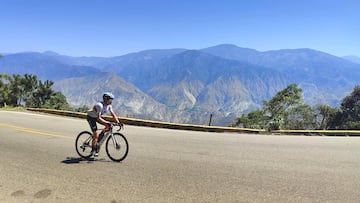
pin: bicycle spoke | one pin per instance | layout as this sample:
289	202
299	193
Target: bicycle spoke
83	144
117	147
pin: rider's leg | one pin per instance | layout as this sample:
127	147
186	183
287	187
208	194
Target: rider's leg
95	135
94	140
99	137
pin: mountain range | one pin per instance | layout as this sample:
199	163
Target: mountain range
187	86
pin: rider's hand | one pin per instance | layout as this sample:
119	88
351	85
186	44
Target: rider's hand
120	124
107	126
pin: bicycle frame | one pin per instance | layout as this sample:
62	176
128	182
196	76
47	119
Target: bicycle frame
107	134
104	137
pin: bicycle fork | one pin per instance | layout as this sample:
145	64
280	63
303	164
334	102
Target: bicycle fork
116	145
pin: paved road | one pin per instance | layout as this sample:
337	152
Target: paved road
38	163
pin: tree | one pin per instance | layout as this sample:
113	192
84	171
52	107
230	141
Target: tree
16	90
29	83
57	101
281	104
299	117
349	115
255	119
285	110
42	93
4	89
326	116
30	91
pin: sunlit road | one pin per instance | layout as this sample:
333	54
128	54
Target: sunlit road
38	163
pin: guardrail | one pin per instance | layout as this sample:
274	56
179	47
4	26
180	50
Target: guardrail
318	132
159	124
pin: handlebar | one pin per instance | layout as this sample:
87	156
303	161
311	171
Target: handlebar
120	125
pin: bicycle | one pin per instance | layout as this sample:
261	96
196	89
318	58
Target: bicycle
116	146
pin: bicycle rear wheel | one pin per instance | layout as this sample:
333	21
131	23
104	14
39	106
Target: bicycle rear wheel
117	147
83	144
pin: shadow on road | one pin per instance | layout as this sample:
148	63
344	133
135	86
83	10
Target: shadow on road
78	160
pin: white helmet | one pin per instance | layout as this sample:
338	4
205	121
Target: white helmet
108	95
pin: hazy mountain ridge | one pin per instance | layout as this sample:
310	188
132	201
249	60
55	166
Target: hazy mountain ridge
353	59
186	86
42	65
133	67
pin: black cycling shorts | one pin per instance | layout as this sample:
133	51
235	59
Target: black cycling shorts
92	122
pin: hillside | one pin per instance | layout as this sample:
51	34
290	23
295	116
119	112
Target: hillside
187	86
323	77
130	101
195	79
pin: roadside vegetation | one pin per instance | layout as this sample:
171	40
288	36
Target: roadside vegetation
27	91
287	111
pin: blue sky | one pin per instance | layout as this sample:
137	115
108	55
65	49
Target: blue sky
117	27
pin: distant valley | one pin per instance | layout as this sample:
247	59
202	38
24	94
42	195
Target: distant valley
187	86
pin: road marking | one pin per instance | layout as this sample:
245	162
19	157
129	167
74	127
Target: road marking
30	130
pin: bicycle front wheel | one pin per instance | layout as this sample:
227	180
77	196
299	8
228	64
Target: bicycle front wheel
117	147
83	144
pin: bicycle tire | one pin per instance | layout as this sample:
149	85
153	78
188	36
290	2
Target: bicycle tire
83	144
118	151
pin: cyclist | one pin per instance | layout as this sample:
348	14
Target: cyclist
94	116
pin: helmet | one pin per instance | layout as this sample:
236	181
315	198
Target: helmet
108	95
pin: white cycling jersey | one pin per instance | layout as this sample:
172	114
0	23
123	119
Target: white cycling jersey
99	108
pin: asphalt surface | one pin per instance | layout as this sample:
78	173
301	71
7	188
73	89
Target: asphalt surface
38	163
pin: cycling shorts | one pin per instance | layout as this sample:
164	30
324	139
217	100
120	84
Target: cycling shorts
92	122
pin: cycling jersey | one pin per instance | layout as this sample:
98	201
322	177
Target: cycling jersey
99	108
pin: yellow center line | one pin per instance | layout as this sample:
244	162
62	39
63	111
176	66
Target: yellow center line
30	130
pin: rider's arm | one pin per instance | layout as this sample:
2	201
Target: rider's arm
114	115
102	120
